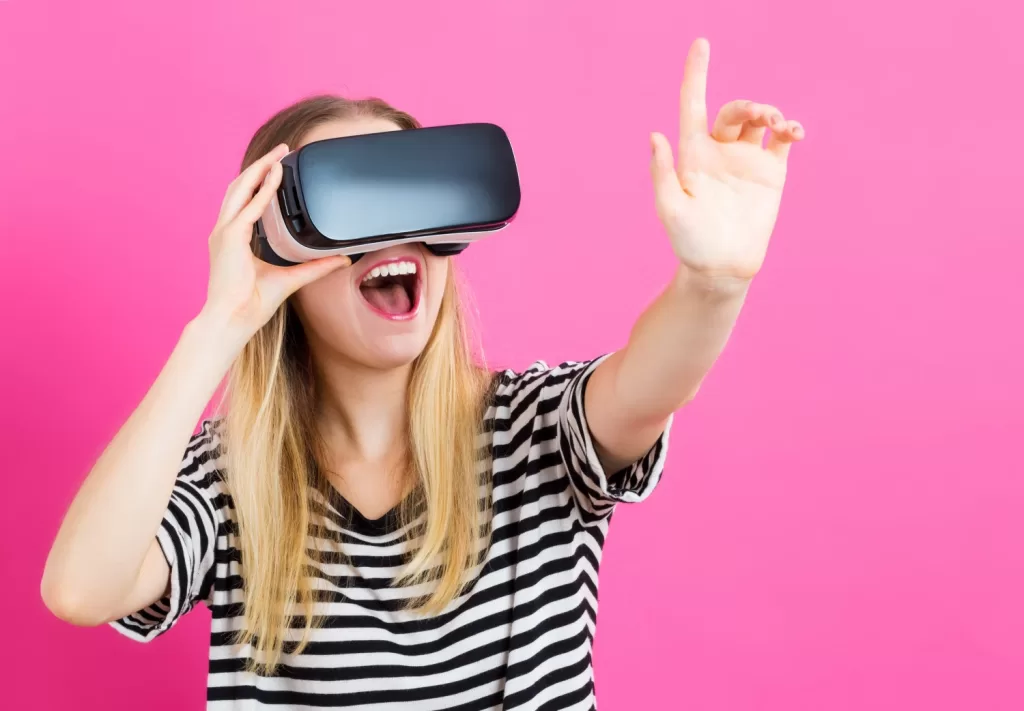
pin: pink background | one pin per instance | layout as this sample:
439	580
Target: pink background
841	526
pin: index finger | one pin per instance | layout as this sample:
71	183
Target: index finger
241	189
693	108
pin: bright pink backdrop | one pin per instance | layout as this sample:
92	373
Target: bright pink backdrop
841	526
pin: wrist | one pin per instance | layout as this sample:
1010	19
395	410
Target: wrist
712	287
215	336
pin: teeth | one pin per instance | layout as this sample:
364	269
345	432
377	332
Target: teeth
393	269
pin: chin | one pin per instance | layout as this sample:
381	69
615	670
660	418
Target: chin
394	352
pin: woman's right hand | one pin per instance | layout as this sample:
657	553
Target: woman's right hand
244	291
105	561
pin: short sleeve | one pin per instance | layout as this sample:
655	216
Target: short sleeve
187	537
596	490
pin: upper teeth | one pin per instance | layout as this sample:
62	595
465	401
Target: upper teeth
393	269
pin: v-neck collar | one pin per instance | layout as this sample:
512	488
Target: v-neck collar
355	521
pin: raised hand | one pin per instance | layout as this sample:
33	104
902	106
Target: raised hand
244	291
720	201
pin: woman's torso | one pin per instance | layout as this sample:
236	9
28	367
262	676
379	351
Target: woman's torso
519	636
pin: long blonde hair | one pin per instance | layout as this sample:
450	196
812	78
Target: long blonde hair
272	447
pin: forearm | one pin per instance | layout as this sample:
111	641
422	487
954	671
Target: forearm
671	348
676	341
98	554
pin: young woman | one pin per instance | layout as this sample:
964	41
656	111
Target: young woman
377	521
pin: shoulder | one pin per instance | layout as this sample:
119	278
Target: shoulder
538	371
202	461
538	389
539	375
207	441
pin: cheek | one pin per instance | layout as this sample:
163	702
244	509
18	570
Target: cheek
334	289
327	305
437	277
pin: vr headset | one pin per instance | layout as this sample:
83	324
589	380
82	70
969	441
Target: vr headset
443	186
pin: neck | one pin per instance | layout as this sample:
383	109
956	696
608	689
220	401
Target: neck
362	411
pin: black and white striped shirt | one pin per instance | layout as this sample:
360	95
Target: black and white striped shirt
520	635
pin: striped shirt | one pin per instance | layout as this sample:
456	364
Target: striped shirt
520	634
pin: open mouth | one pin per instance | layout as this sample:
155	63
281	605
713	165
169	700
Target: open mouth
392	288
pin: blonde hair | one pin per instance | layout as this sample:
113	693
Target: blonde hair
272	447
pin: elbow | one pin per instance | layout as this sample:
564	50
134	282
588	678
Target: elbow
66	603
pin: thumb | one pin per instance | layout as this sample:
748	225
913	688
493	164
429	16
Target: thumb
667	189
295	277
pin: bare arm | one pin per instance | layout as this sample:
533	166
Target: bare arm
105	562
671	349
718	206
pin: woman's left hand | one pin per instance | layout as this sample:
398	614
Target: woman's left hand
719	203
